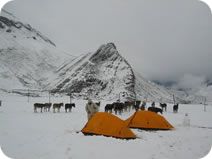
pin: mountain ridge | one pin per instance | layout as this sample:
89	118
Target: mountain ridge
92	68
27	57
30	60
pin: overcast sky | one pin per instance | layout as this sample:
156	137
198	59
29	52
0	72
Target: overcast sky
164	40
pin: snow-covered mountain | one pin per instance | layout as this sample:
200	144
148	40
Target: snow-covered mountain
29	60
102	74
27	57
105	74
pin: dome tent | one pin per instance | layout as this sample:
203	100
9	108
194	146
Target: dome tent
148	120
108	125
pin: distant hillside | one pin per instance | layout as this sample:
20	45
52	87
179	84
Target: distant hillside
27	57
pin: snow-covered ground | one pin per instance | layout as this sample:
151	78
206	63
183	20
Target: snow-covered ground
25	134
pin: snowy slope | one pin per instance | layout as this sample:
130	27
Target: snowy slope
31	60
152	92
27	57
102	74
206	92
203	95
105	74
24	134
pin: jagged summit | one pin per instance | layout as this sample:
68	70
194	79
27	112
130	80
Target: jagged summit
102	74
104	52
30	60
105	74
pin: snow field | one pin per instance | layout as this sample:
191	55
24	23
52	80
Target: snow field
25	134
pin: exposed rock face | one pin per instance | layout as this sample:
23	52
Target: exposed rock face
29	60
103	74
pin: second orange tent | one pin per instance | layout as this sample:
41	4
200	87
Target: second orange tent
148	120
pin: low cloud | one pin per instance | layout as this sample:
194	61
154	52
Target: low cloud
162	40
191	82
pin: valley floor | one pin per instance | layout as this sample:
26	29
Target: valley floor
25	134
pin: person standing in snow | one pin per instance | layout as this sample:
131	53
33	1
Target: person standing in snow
91	108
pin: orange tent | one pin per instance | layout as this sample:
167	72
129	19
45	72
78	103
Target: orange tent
148	120
108	125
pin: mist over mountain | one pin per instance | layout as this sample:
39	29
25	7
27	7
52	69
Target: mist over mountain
30	60
195	87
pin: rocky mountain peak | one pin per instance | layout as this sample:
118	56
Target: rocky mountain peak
104	52
102	74
30	60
